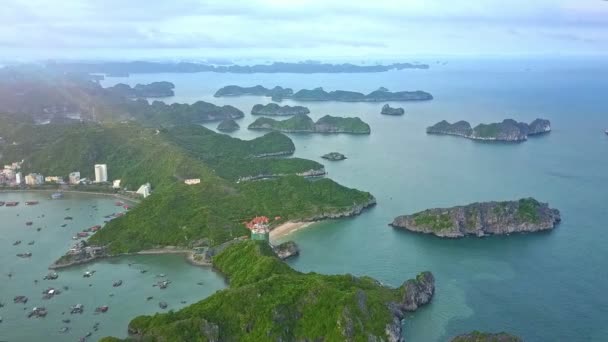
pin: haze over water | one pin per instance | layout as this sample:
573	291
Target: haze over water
542	287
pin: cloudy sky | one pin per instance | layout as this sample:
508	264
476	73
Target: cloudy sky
300	29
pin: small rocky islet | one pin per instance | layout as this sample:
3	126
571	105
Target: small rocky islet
334	156
508	130
388	110
480	219
273	109
228	125
302	123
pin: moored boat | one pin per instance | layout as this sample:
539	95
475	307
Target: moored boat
2	203
57	195
82	234
117	283
31	202
29	223
11	204
102	309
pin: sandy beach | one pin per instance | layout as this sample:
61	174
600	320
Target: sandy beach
287	228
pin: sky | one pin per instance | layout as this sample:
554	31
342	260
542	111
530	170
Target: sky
299	29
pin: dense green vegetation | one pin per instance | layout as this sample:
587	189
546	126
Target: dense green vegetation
213	212
487	130
528	210
433	221
268	301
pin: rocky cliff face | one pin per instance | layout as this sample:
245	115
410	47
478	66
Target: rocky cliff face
286	250
353	211
273	109
388	110
416	293
480	219
508	130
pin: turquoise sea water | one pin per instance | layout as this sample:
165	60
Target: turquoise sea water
125	302
543	287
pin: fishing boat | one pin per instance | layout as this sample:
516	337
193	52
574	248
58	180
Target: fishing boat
29	223
102	309
11	204
117	283
16	243
82	234
25	255
77	309
31	202
95	228
57	195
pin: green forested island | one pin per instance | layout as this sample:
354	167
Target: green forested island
269	301
480	219
319	94
304	124
508	130
388	110
154	89
273	109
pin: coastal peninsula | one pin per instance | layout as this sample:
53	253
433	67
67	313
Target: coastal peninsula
268	300
319	94
388	110
273	109
480	219
302	123
508	130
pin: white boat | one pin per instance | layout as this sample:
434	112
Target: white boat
57	195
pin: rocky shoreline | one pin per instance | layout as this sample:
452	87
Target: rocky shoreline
480	219
305	174
416	293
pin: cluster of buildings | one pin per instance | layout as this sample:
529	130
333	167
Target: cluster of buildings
11	175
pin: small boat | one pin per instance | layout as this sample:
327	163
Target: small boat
606	131
25	255
31	202
126	207
64	330
66	321
37	312
88	274
64	225
68	218
29	223
17	243
2	203
20	299
38	229
117	283
82	234
95	228
77	309
57	195
119	203
31	242
150	298
11	204
51	276
162	305
102	309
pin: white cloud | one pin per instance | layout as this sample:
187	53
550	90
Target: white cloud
307	27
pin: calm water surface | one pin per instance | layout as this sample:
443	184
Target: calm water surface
125	302
543	287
